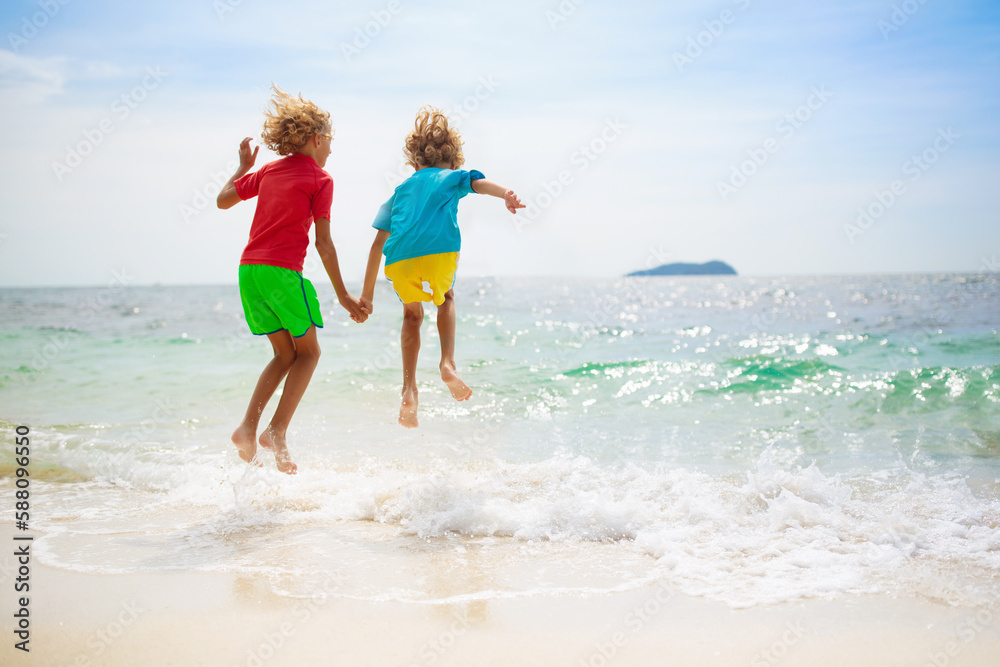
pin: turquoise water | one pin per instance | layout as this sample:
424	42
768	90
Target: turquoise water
748	440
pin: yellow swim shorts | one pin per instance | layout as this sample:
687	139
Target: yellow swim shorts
409	275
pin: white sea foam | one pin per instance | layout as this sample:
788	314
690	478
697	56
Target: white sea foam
778	532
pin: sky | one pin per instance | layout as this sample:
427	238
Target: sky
782	137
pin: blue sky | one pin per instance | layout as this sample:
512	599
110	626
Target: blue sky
782	137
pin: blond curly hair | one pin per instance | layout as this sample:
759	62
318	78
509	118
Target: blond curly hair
293	122
432	141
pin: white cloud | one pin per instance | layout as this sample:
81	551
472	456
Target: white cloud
26	80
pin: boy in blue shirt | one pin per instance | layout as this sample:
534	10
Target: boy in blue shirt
418	233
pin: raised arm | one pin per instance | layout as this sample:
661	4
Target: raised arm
485	186
228	197
371	272
328	253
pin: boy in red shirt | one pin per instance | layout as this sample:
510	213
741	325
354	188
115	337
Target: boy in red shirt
278	302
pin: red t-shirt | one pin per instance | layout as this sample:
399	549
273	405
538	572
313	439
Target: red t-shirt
292	192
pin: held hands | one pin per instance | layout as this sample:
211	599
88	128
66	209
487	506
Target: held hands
512	201
367	304
355	308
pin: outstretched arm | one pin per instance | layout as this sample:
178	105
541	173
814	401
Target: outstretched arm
371	273
228	197
484	186
328	253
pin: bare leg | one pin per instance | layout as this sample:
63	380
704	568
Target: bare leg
409	339
446	330
245	435
306	357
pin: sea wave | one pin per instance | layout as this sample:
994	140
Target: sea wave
779	531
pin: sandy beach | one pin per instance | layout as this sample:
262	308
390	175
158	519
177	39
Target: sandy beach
213	619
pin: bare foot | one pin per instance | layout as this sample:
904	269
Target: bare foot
245	439
408	408
274	441
459	390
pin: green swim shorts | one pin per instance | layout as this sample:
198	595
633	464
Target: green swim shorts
275	298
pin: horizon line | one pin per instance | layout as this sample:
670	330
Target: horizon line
119	285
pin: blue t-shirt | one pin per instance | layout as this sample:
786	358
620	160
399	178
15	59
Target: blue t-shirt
422	214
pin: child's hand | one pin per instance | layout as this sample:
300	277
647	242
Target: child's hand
228	197
354	308
247	159
512	201
366	304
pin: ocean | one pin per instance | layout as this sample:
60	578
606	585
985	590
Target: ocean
747	440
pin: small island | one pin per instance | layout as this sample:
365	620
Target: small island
714	268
